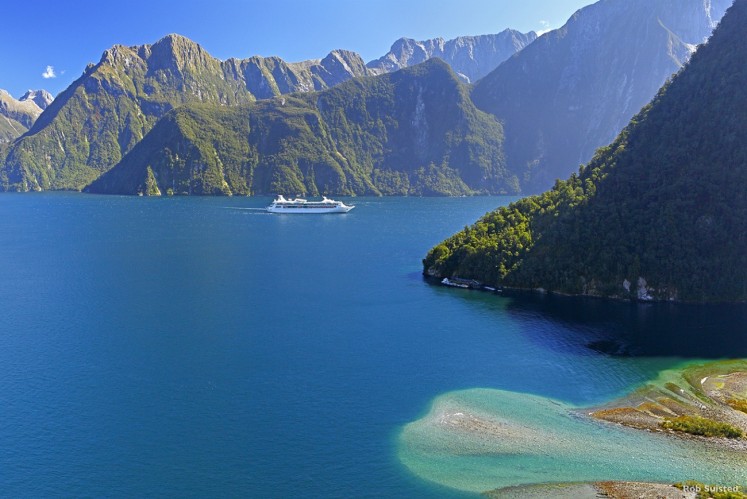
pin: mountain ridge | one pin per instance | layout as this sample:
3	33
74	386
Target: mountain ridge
115	102
575	88
471	57
97	121
411	132
648	217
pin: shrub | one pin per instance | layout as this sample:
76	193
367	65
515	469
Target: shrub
696	425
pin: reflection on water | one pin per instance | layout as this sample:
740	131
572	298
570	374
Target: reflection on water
689	331
710	331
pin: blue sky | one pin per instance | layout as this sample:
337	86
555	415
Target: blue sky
59	38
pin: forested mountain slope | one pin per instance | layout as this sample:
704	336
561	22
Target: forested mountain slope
413	132
661	213
92	124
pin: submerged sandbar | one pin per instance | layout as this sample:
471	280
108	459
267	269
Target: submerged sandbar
484	439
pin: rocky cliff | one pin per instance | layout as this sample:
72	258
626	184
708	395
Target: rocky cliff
471	57
575	88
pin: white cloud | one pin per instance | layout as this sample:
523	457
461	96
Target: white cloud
545	27
49	73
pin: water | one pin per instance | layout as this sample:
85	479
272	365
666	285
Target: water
480	439
202	347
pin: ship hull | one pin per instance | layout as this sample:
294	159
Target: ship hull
295	209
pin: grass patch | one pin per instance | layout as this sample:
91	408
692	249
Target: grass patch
738	404
695	425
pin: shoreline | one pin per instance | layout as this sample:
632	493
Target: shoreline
503	290
508	444
708	391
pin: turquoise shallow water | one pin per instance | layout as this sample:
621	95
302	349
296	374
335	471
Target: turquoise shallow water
202	347
482	439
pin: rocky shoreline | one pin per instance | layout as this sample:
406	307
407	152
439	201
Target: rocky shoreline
705	392
475	285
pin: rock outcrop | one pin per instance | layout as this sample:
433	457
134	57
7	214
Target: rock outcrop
471	57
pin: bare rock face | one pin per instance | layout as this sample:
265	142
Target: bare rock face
471	57
267	77
17	116
575	88
41	98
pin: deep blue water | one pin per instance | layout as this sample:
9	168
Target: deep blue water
198	346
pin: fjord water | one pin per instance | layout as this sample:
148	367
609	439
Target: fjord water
199	346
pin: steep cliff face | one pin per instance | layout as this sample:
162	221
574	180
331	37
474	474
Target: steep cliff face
574	89
103	114
410	132
471	57
267	77
661	213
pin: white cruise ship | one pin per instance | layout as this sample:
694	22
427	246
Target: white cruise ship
282	205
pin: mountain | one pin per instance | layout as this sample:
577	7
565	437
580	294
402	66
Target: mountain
10	129
472	57
17	116
90	126
661	213
41	98
414	131
267	77
573	89
560	97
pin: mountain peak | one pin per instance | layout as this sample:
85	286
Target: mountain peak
176	42
170	51
179	50
17	115
175	38
472	57
41	98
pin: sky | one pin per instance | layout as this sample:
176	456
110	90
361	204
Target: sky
47	44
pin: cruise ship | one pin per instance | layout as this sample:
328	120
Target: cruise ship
298	205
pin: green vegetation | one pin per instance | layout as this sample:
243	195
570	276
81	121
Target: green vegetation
661	213
10	129
695	425
738	404
414	132
88	128
102	115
